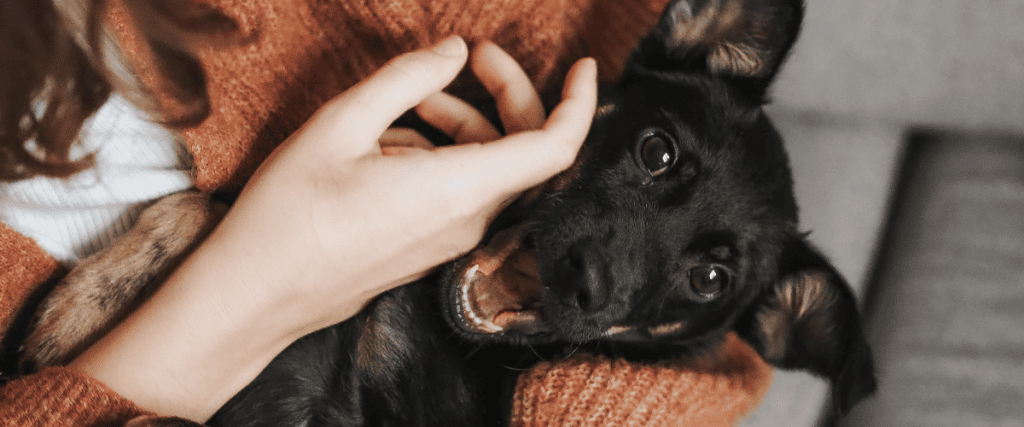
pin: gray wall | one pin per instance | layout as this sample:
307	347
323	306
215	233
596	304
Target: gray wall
950	63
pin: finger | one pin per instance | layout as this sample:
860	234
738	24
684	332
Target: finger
518	104
512	164
364	111
457	119
404	138
579	102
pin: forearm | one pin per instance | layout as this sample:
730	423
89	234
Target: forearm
195	343
323	226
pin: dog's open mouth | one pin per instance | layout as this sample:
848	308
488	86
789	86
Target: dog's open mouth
498	287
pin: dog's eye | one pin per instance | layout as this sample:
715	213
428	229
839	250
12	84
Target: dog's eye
657	154
709	281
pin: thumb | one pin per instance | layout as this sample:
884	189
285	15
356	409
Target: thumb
364	112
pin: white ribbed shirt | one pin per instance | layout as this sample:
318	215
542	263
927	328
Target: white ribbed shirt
137	161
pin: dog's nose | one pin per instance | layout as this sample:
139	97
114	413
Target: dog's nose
583	285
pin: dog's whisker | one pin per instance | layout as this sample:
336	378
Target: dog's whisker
474	351
534	350
575	348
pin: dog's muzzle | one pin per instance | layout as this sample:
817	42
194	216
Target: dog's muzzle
497	288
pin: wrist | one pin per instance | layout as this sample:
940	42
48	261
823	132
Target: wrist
195	343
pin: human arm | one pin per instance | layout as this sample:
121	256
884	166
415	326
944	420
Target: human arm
326	224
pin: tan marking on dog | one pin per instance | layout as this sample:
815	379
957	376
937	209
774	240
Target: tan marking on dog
690	29
798	298
605	109
804	293
108	285
718	26
666	329
728	58
618	330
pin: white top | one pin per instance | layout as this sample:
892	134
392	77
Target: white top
137	161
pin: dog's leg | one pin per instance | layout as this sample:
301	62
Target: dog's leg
106	286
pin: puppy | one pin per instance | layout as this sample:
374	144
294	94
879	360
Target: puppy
676	224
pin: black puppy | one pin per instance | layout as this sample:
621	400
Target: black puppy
678	222
676	225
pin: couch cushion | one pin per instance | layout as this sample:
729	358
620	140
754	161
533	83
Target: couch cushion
947	309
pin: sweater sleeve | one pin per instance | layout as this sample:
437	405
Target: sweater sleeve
716	391
62	396
54	396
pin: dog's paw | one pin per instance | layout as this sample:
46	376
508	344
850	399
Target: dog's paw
106	286
155	421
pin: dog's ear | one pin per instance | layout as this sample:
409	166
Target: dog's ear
741	39
809	320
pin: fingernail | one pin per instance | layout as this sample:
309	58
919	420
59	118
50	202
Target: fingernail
452	46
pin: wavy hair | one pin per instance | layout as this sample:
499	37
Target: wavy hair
56	58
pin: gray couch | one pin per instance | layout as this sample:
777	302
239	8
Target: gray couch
905	124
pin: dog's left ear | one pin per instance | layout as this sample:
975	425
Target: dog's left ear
742	40
809	320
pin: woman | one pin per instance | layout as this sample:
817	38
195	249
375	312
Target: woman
310	148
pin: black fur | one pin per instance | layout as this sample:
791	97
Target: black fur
393	364
618	246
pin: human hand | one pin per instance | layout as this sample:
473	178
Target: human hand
328	222
358	222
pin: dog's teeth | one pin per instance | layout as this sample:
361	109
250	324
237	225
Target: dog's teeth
484	325
467	308
490	327
472	272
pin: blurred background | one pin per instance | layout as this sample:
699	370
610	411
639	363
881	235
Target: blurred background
905	124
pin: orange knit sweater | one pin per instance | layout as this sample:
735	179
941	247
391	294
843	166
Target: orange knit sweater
307	52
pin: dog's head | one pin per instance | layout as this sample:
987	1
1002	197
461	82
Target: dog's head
678	222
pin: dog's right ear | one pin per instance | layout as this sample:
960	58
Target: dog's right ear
809	320
744	40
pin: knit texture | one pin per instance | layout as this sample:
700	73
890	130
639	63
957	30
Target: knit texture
54	396
23	267
60	397
596	391
307	52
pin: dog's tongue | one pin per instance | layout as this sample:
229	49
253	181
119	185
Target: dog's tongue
499	287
